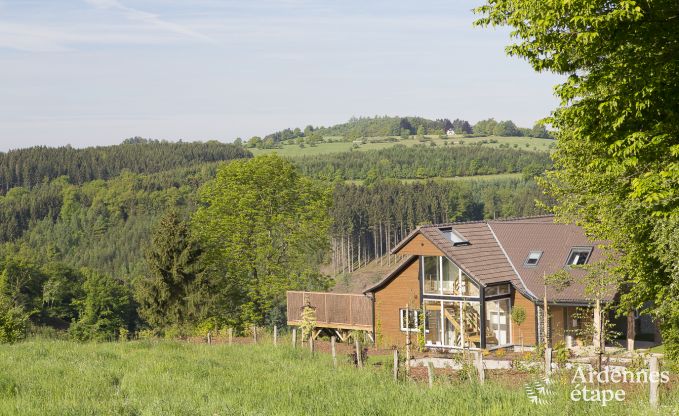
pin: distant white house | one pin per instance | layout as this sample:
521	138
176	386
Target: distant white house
450	133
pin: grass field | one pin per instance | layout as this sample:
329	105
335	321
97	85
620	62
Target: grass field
292	150
174	378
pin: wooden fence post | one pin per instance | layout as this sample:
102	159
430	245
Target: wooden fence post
654	378
311	343
230	336
548	362
294	337
334	352
209	337
359	353
430	373
275	335
395	365
479	367
254	333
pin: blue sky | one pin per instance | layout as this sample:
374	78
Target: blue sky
94	72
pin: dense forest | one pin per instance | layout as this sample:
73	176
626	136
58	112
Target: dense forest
369	220
420	162
32	166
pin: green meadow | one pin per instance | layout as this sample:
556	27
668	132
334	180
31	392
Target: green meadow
49	377
375	143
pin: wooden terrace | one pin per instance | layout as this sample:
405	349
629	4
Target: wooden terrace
335	312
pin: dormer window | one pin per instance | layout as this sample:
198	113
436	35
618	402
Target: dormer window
532	259
579	256
455	237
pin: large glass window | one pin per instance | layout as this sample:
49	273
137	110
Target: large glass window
451	272
442	277
467	287
453	324
432	323
431	275
497	322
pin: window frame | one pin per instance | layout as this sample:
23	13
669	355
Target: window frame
508	291
579	249
402	320
537	260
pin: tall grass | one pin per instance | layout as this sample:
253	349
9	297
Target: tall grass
52	377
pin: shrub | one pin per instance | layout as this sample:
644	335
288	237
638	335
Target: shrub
13	322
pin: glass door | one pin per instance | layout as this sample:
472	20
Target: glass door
497	322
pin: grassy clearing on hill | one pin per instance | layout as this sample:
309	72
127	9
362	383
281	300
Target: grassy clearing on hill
173	378
375	143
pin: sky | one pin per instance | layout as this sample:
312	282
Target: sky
94	72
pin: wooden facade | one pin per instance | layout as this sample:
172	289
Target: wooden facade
527	330
403	290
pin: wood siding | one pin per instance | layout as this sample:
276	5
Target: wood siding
403	289
558	321
528	326
420	246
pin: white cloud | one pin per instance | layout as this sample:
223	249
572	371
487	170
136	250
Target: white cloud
150	19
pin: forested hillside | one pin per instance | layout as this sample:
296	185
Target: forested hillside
369	220
419	162
149	227
32	166
103	225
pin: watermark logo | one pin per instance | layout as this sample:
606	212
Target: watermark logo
539	391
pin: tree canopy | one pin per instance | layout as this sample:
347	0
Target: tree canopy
265	227
617	155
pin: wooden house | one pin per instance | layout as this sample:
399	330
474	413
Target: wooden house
459	282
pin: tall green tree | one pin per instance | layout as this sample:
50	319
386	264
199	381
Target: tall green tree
617	155
264	227
171	293
106	308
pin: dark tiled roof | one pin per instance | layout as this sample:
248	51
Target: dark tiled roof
482	258
519	237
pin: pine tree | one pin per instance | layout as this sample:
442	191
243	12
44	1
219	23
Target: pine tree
170	294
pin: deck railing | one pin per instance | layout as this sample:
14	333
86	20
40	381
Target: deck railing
333	310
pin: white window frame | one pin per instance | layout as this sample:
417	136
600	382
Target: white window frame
577	250
531	254
403	320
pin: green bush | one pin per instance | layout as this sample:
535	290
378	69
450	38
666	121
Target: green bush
13	322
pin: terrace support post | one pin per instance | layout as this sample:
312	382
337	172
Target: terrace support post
654	379
209	337
479	367
548	362
334	351
359	353
230	336
395	365
294	338
631	331
430	373
275	335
